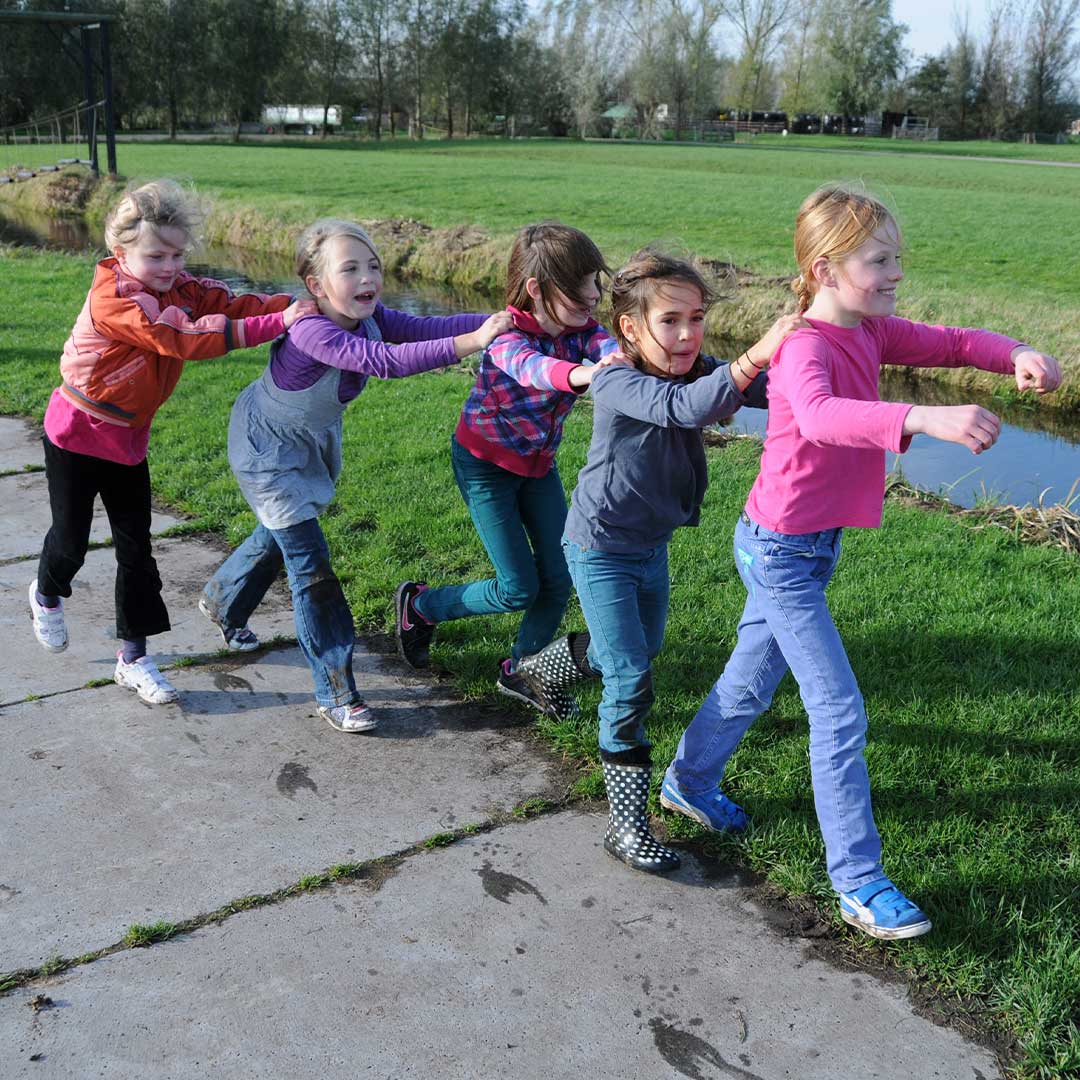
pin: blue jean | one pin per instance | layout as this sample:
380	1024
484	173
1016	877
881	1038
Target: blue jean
786	623
324	625
624	599
520	522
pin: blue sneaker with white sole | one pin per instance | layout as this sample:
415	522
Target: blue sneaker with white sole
713	809
881	910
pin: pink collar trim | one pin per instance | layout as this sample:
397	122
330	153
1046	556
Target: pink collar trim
526	321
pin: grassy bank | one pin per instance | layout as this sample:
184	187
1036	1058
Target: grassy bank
988	244
964	642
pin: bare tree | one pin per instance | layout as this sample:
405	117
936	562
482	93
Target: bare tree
963	64
758	23
375	25
997	97
329	28
1051	51
796	57
696	22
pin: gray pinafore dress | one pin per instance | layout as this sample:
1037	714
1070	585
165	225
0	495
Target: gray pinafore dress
285	445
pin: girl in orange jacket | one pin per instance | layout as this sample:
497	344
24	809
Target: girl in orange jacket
143	318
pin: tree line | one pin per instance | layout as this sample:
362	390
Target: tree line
460	67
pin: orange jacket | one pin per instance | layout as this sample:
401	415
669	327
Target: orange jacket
129	344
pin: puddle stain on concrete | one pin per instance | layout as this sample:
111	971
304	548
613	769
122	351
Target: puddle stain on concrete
224	681
500	886
292	777
687	1052
192	737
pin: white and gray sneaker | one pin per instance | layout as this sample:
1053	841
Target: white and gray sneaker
351	719
143	677
49	626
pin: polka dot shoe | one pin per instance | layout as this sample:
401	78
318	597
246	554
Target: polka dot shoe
553	669
628	837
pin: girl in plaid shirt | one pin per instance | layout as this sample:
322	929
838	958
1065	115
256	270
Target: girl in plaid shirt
503	451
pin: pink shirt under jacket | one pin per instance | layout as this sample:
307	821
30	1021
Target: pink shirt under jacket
823	466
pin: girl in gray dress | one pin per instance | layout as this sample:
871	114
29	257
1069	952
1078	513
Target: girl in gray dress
285	449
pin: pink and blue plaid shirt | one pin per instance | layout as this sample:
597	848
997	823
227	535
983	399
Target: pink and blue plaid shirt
515	413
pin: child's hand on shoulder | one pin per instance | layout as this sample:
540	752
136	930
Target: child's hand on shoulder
584	374
1035	370
299	309
615	359
480	338
761	353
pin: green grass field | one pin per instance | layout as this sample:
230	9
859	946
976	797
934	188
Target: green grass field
964	642
1069	151
987	244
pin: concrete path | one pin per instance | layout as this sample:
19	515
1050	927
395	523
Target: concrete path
460	939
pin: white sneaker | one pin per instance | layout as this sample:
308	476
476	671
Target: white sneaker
349	718
143	677
49	626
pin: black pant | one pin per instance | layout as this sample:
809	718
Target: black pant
74	481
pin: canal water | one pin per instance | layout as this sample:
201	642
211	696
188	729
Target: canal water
1036	458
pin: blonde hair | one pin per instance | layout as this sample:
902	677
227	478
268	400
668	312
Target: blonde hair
311	245
558	256
160	204
830	224
635	285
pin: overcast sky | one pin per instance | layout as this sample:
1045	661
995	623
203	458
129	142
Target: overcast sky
930	22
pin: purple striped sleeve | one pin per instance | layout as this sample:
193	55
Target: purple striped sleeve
400	326
324	342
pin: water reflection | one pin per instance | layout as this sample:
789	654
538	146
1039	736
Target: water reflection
1037	456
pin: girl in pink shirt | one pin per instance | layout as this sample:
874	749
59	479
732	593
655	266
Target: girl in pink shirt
823	468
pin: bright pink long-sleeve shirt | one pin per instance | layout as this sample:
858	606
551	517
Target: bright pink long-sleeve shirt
823	466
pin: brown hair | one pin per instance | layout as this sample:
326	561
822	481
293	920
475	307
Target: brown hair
311	245
558	256
159	203
830	224
635	285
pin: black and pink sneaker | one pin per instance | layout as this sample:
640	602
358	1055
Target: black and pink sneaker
412	631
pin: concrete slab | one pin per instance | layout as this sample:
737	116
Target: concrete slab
26	519
185	566
115	812
526	954
20	444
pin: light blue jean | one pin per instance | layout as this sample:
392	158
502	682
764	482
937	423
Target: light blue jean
520	521
786	623
624	599
324	625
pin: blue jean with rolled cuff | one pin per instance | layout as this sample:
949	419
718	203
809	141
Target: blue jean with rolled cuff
520	521
786	624
324	625
624	598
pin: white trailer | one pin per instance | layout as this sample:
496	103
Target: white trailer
305	118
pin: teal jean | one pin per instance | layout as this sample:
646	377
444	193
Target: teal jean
520	522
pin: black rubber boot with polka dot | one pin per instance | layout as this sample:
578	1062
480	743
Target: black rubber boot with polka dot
628	837
554	668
